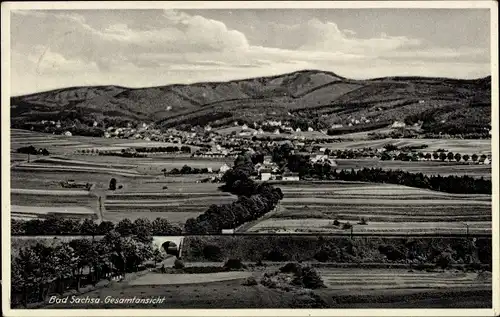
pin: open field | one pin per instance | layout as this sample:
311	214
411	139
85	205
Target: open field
31	212
480	146
365	287
427	168
312	207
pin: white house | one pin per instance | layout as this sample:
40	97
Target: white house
323	158
310	129
298	130
265	174
227	231
67	133
337	126
244	127
277	131
224	168
398	124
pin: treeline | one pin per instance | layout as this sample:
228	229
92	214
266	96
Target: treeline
32	150
44	269
450	184
339	249
254	200
168	149
53	225
186	169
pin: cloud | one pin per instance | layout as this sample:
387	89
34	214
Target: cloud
164	47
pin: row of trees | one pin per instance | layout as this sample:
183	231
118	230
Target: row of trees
442	156
254	200
450	184
32	150
53	225
168	149
44	269
186	170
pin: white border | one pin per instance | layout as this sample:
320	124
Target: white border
5	124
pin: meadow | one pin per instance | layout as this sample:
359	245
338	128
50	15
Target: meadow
345	288
313	207
477	146
427	168
143	190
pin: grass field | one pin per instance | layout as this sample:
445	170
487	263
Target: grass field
453	145
345	289
427	168
312	207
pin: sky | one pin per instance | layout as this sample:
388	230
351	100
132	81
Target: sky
141	48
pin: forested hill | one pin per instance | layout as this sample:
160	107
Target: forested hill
323	98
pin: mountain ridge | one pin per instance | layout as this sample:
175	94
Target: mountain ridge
312	94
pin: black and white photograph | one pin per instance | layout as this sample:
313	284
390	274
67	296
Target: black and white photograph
221	155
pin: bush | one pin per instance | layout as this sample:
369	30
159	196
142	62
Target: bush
444	260
309	278
268	282
291	267
336	222
178	264
392	253
251	281
212	252
347	226
362	222
234	264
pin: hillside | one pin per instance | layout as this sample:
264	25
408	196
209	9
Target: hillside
321	98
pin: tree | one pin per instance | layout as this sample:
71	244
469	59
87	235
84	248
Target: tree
125	227
450	156
112	184
428	156
435	155
474	157
385	156
466	157
105	227
142	229
88	227
458	157
442	156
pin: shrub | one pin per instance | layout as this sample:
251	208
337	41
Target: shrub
347	226
178	264
268	282
291	267
212	252
444	260
308	277
363	222
234	264
336	222
392	253
250	281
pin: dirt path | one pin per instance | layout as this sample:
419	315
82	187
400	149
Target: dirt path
179	279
